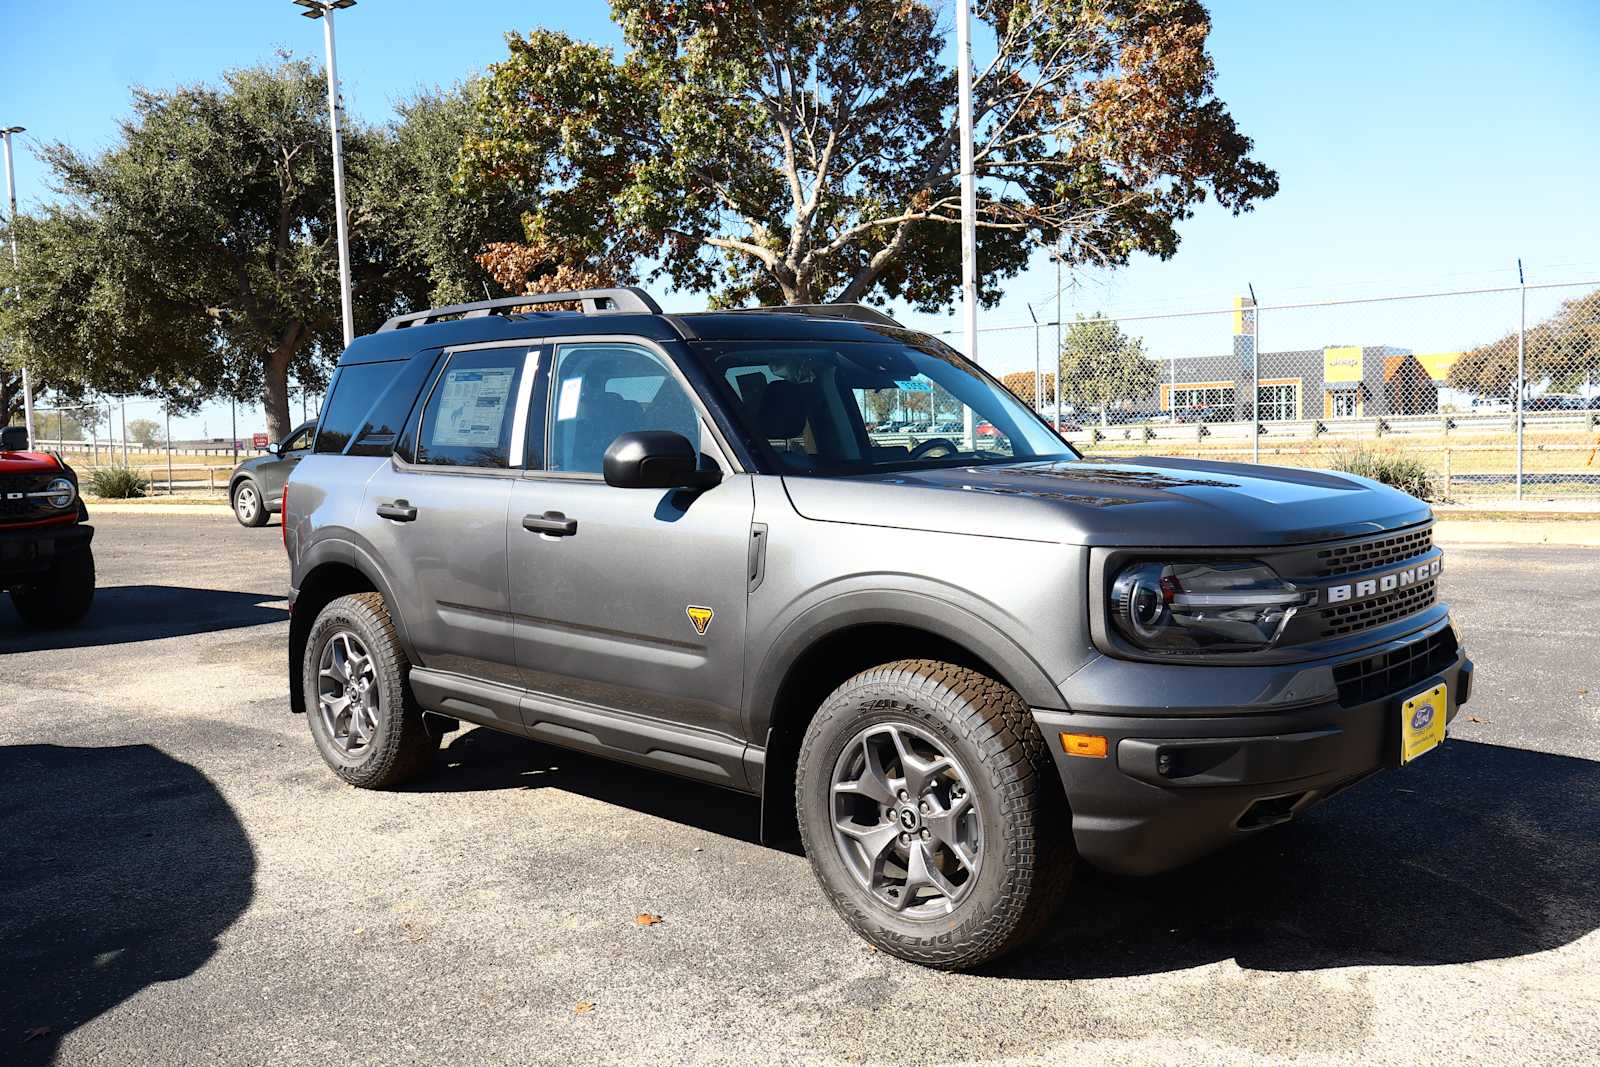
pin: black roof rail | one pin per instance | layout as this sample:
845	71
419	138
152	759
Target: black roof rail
593	302
852	312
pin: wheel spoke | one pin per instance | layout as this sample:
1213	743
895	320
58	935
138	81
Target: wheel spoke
945	824
921	870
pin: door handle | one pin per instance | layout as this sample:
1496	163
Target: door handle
551	522
399	511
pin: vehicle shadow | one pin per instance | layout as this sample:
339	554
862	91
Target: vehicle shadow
128	613
1476	852
119	867
485	759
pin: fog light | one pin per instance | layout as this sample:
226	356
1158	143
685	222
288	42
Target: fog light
1091	746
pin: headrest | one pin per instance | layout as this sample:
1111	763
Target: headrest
783	411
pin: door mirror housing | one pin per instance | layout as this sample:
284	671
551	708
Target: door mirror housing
655	459
274	448
13	439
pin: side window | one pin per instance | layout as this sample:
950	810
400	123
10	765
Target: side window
301	441
350	395
601	390
388	414
470	415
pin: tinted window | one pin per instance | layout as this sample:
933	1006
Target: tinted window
602	390
469	416
388	414
350	396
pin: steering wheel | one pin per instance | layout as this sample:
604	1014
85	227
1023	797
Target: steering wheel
935	447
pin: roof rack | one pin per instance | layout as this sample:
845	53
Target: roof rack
852	312
593	301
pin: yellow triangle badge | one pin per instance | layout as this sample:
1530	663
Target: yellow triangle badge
701	617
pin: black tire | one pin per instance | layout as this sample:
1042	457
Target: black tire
62	596
1026	854
401	748
255	516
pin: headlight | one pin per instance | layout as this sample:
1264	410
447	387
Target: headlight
59	494
1203	607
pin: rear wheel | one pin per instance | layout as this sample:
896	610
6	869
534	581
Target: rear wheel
248	506
62	596
932	814
365	721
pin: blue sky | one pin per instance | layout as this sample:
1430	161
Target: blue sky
1421	145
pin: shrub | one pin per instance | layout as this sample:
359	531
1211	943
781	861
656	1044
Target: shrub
1404	473
117	482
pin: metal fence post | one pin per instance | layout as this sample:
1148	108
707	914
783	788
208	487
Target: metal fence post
1255	376
1522	385
168	408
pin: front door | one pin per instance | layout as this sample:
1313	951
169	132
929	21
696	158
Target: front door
436	513
628	599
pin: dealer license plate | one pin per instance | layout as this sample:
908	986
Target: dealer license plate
1422	721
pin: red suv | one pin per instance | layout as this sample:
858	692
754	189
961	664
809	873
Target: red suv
45	560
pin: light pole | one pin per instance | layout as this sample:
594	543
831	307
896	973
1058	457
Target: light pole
11	197
324	9
969	199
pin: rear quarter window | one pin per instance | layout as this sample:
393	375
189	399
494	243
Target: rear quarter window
368	404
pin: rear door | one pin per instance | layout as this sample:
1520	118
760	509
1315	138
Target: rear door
627	599
435	515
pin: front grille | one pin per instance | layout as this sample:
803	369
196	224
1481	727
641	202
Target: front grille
23	508
1364	555
1390	673
1364	615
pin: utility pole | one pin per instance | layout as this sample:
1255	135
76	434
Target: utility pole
1060	314
1522	370
324	9
969	200
11	197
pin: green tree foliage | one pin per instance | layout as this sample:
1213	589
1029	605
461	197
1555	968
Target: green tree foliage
146	433
196	256
1101	365
805	150
1563	350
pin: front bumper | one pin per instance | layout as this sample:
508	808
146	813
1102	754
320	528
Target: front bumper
1183	777
29	551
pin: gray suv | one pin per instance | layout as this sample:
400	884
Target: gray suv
255	488
958	666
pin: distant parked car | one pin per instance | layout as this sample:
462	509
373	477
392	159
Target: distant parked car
255	488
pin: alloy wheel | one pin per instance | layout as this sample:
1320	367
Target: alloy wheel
905	821
347	693
246	502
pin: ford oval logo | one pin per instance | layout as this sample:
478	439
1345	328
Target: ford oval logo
1422	717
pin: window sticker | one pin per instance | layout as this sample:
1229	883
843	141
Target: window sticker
567	402
472	408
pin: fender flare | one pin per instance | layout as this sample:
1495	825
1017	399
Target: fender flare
935	612
340	553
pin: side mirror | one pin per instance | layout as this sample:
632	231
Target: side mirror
13	439
655	459
274	448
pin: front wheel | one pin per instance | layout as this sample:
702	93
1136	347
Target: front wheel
932	814
62	596
248	506
365	721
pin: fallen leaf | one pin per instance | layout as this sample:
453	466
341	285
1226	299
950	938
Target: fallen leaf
37	1031
1474	718
644	918
583	1007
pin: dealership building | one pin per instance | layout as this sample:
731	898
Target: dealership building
1336	381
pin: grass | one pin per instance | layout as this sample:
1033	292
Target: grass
1405	473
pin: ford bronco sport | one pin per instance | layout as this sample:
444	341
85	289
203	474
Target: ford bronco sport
958	665
45	560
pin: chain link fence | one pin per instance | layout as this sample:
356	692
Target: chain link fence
166	449
1430	381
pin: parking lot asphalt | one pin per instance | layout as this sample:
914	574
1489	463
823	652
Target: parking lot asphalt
182	881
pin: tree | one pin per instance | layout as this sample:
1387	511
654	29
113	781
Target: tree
799	151
196	257
1021	385
146	433
1101	365
1563	350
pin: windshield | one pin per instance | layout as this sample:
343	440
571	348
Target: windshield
834	408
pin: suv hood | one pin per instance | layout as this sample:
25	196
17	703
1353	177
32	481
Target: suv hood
1156	502
28	463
